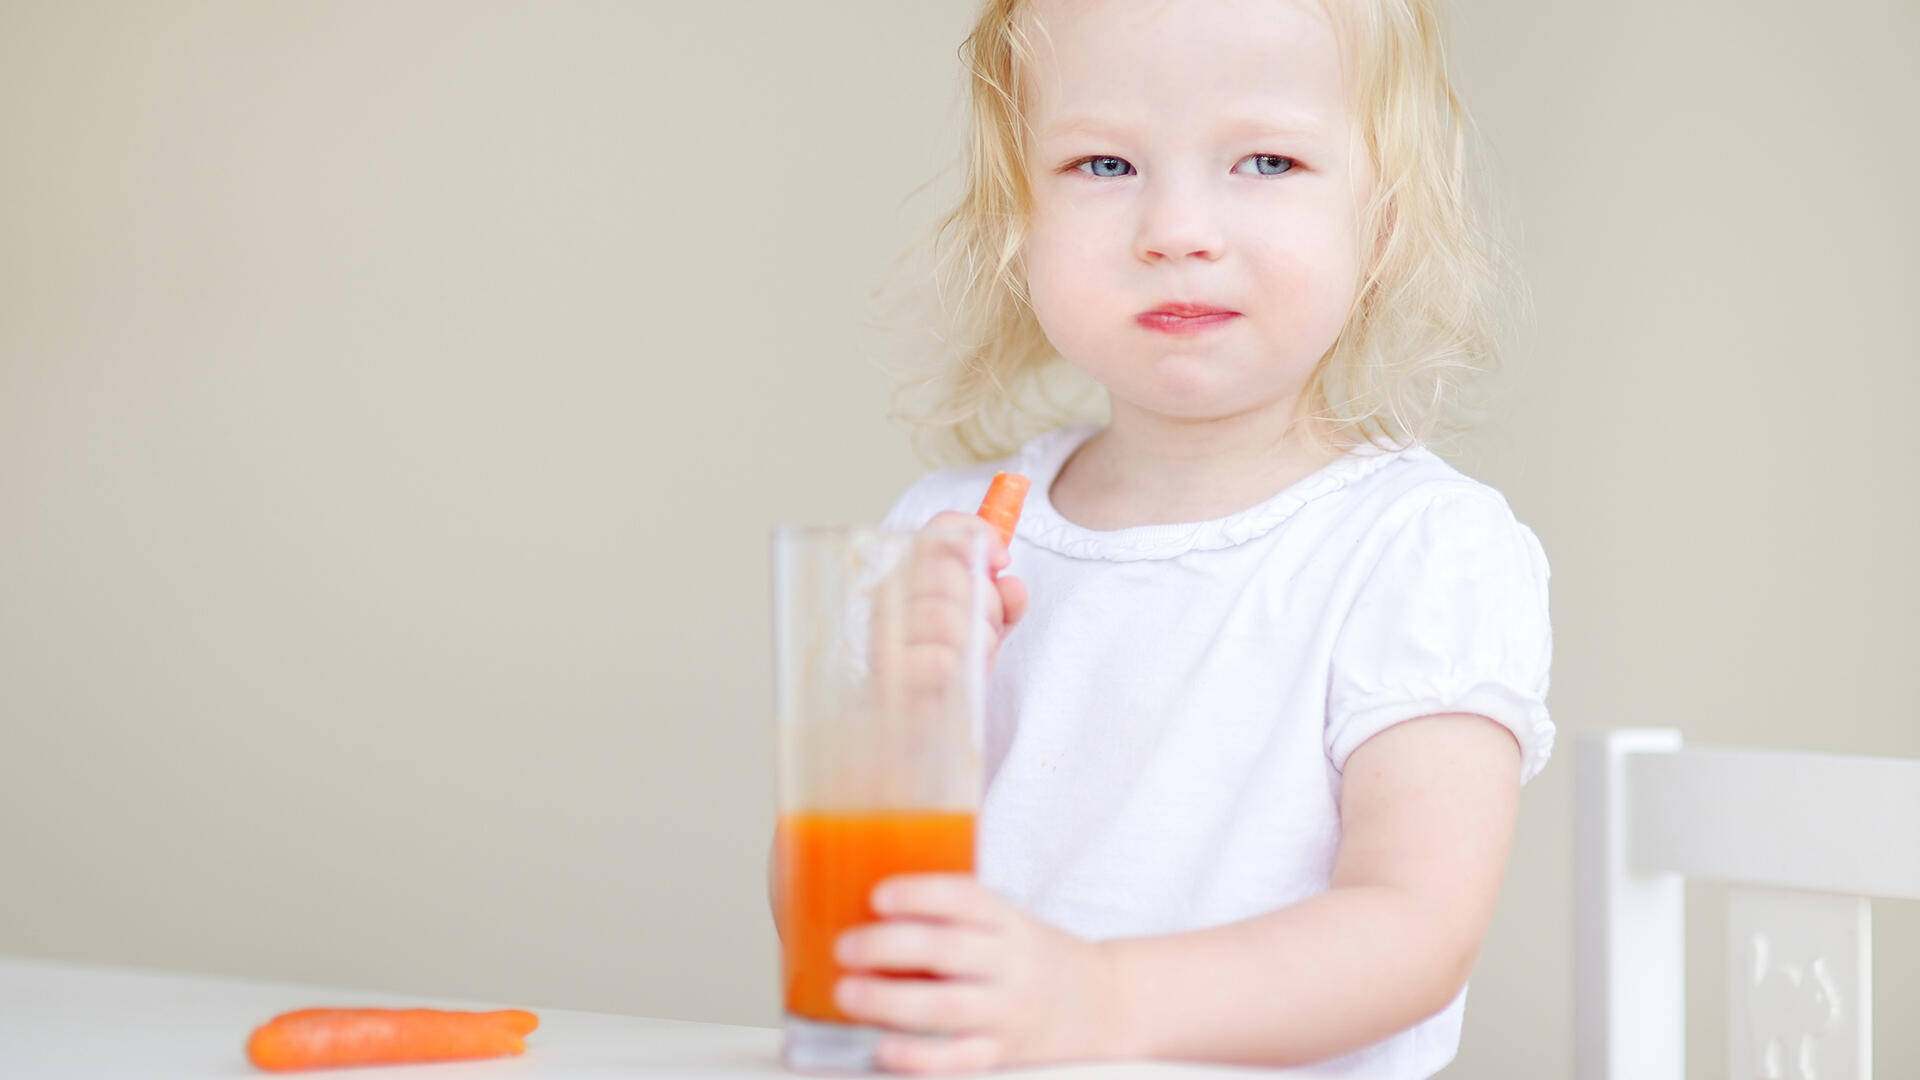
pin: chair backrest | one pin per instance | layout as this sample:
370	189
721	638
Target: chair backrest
1803	840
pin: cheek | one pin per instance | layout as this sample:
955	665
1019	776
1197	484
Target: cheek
1064	279
1309	273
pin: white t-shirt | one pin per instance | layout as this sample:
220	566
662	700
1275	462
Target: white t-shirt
1166	727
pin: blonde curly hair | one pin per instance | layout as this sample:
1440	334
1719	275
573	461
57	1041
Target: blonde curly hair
1427	313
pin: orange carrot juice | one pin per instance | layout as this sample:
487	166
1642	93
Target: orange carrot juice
829	863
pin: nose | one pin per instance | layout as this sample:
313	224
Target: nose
1178	221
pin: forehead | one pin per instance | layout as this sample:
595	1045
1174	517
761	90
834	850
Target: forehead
1113	61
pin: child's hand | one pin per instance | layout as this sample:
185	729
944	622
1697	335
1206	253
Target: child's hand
921	627
941	565
1013	990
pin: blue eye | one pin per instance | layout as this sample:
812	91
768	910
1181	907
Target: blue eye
1104	166
1266	164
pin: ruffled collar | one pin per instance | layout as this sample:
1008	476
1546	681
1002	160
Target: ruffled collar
1042	525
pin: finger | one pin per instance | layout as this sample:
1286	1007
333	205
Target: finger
939	599
932	621
926	1006
905	945
965	1054
928	676
1013	600
943	566
956	898
932	667
939	572
958	533
927	646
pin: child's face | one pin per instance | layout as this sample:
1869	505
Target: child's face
1192	152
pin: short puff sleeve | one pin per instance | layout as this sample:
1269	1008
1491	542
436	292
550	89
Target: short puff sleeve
1452	618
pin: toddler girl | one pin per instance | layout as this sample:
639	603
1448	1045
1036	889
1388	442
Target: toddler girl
1270	672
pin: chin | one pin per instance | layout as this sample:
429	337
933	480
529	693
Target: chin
1187	386
1190	406
1197	400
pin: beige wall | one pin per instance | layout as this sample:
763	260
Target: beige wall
1708	427
394	399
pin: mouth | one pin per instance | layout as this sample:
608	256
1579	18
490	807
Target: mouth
1185	318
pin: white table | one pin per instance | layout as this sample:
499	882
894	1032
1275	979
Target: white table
62	1021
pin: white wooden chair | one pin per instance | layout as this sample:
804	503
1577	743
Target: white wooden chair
1803	841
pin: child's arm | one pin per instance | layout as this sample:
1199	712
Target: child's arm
1427	810
1427	816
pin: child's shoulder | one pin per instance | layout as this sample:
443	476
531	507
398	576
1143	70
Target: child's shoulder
1420	499
1417	478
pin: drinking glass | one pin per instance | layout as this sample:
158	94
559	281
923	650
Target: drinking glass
881	643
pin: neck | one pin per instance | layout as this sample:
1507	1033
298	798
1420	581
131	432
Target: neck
1148	468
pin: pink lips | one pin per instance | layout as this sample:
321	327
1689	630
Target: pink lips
1184	318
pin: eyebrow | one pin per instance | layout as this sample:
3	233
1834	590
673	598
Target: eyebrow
1286	124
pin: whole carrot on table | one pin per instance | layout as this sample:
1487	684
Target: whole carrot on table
330	1038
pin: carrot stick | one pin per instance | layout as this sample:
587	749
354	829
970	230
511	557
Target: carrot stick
326	1038
1001	507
